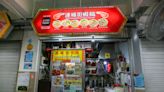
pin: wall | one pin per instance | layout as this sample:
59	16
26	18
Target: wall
124	48
15	35
30	35
136	52
30	38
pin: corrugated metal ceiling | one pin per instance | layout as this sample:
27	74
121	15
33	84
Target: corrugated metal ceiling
125	5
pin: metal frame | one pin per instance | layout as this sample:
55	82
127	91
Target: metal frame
92	38
131	58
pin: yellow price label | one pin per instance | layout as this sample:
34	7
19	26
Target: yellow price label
107	55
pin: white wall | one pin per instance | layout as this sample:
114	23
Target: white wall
35	60
124	48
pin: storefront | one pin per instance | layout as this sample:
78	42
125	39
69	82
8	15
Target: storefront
85	65
80	50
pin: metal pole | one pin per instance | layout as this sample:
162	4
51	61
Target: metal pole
80	3
101	2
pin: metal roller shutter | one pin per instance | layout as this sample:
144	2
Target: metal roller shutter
9	61
152	54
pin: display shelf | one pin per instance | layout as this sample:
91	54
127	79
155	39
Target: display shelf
57	85
125	72
95	74
110	59
95	88
91	58
89	67
72	75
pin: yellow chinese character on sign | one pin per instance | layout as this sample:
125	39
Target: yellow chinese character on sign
56	53
72	52
61	52
64	52
67	52
77	52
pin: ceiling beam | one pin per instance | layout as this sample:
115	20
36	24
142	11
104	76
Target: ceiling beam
16	8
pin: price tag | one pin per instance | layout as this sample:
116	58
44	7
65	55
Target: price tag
107	55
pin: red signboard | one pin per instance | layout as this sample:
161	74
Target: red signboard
79	20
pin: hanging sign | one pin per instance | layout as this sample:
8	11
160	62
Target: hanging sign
79	21
5	25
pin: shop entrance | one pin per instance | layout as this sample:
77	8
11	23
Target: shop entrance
85	66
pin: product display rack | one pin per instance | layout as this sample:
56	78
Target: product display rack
96	80
71	63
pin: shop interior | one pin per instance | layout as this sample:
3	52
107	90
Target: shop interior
84	66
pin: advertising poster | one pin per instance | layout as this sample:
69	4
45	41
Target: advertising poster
28	56
57	83
28	60
23	79
27	65
73	84
67	70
